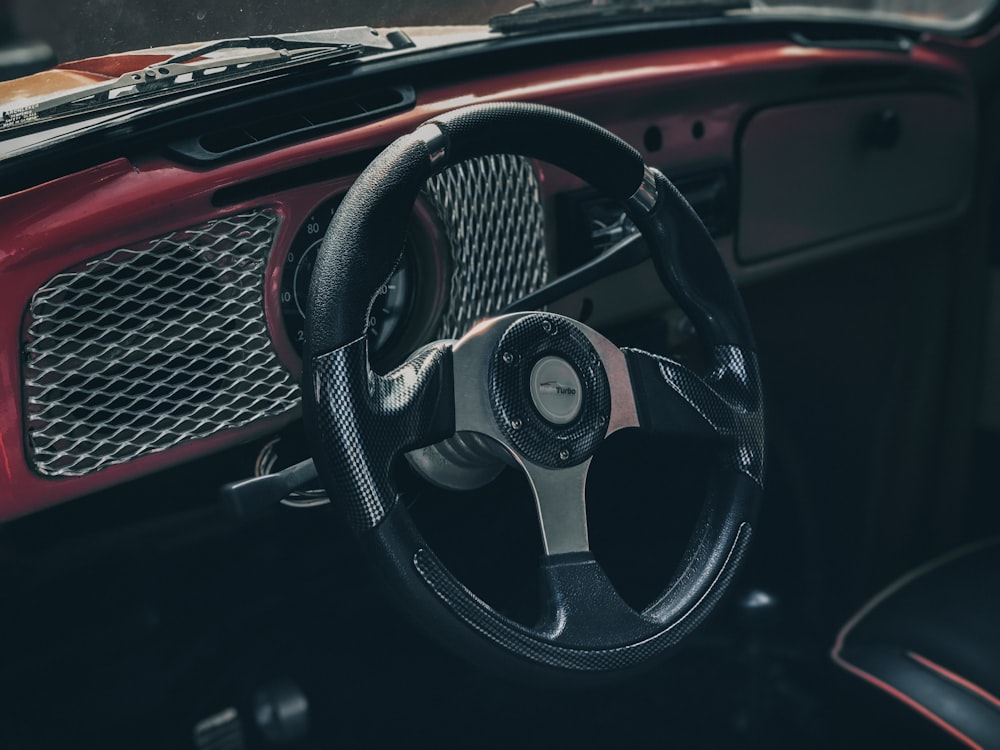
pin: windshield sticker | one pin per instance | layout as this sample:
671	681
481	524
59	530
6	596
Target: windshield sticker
18	116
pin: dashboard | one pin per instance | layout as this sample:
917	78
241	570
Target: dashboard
158	297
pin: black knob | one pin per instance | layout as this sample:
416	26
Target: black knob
281	712
882	129
759	610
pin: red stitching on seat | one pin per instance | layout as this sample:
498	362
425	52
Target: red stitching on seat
907	700
897	694
957	679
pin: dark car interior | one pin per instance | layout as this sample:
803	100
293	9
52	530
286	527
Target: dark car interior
599	385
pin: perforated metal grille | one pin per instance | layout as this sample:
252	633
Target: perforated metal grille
153	345
491	212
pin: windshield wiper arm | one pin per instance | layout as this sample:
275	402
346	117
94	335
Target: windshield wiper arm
365	38
192	69
575	13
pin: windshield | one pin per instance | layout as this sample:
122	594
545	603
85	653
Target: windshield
943	14
78	29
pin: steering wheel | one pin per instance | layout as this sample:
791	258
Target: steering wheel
540	389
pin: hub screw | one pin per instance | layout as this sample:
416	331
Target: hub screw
564	454
515	424
547	326
507	357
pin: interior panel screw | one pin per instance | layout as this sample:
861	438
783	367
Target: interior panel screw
546	326
507	357
564	454
515	424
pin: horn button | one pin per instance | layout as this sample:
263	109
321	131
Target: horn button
556	390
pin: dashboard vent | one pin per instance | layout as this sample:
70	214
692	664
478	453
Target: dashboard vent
149	346
322	116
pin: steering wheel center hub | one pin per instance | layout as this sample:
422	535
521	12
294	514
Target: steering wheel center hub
556	390
549	391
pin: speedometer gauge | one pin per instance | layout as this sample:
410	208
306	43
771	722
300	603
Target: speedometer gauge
389	310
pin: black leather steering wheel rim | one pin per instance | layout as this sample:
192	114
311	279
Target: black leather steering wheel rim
359	422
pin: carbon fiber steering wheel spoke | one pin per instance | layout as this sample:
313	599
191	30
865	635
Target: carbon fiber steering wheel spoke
404	409
672	400
725	405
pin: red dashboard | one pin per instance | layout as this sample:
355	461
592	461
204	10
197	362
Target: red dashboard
685	109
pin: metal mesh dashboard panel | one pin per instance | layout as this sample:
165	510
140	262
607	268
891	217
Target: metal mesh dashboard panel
150	346
490	209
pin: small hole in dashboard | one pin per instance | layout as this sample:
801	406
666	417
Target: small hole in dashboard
698	130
